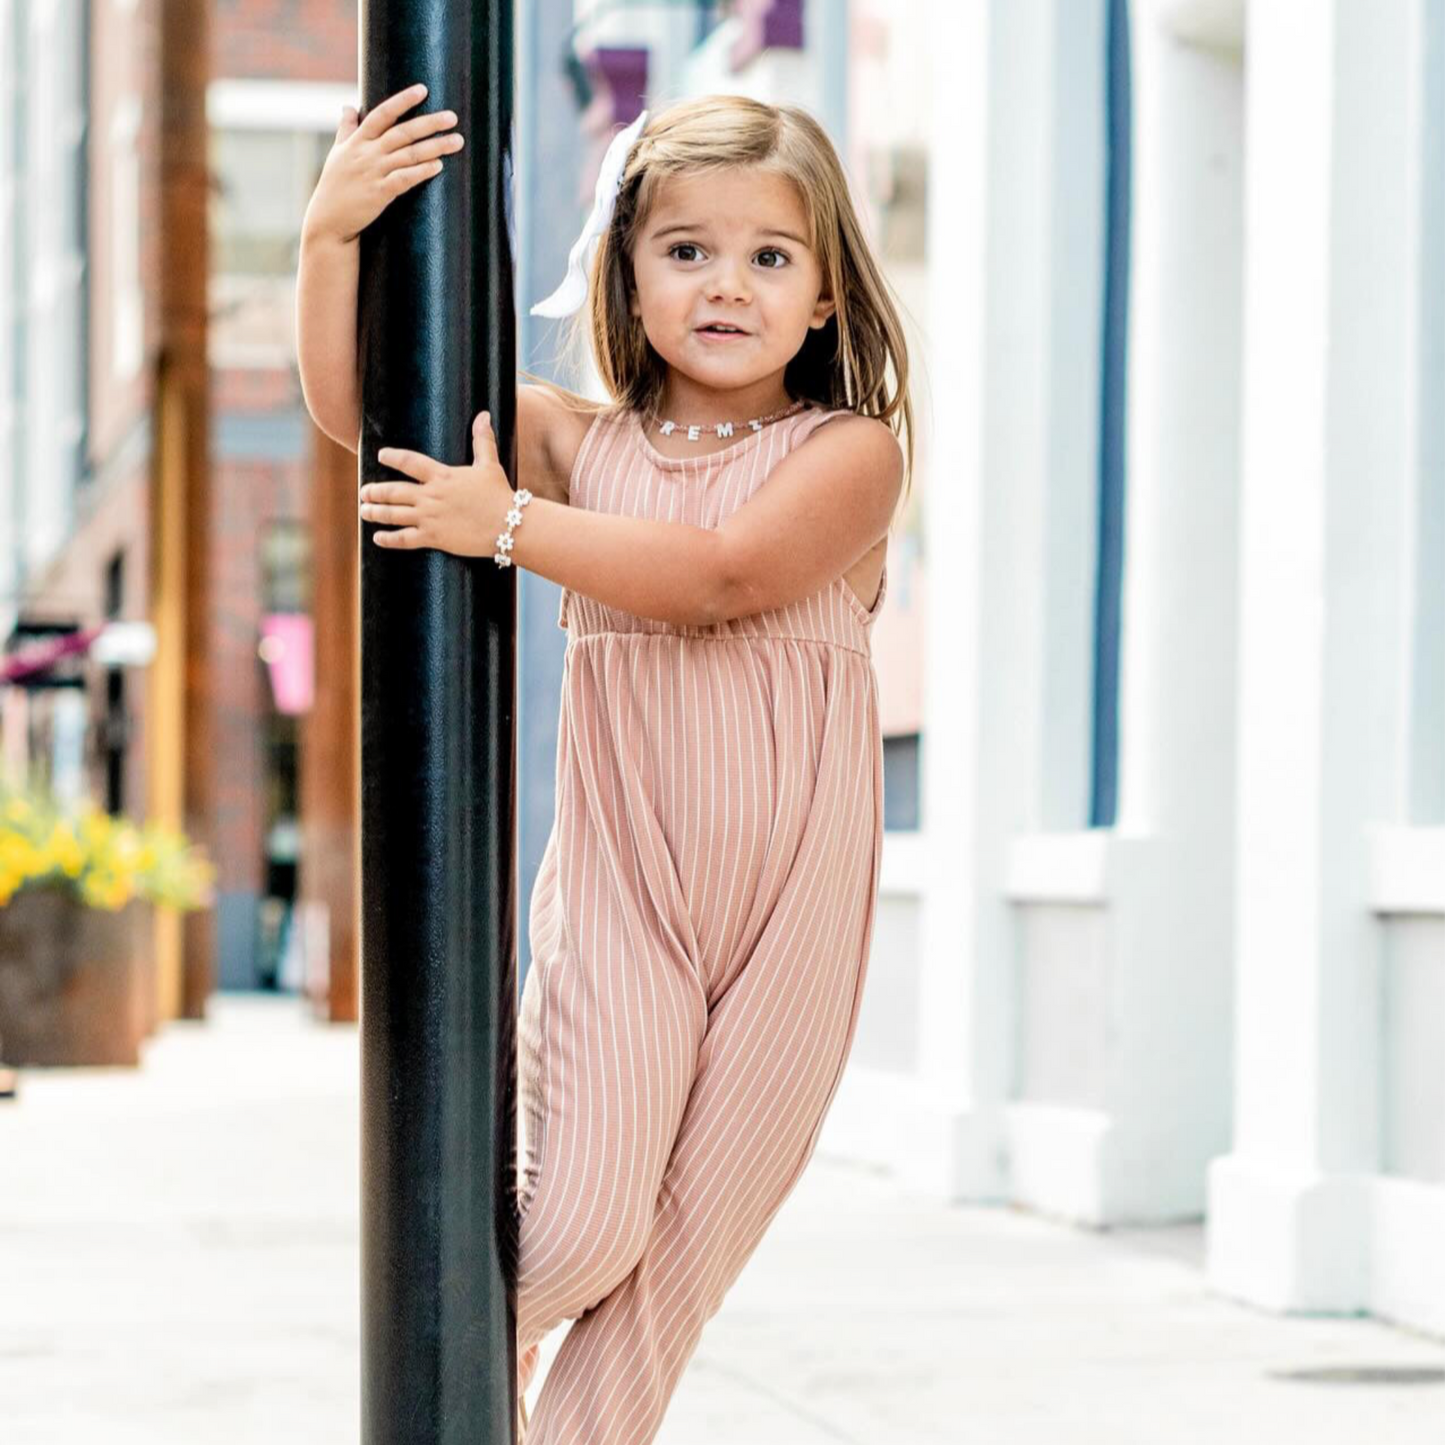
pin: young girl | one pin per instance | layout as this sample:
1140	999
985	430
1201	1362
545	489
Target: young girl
703	911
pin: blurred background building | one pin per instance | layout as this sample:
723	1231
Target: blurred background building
1162	931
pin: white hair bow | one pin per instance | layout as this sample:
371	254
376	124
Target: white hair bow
573	290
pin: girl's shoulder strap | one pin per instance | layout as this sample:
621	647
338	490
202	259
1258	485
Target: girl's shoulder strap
810	419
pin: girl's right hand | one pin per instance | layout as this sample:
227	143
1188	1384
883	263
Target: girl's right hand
375	160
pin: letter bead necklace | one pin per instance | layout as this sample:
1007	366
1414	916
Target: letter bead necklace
723	428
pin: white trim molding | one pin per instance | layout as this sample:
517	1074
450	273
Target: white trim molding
277	104
1407	869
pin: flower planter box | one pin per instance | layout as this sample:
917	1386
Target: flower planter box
74	980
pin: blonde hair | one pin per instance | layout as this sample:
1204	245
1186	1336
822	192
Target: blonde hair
843	364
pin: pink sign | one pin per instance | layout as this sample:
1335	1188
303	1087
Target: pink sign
286	647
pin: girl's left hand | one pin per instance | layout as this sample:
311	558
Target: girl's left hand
456	509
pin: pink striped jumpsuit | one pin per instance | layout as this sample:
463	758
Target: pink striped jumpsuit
700	929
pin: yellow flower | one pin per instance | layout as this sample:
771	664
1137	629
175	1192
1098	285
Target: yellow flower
66	850
108	859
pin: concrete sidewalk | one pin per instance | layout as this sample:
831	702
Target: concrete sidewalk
178	1263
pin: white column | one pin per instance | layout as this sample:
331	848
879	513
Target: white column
1169	983
1323	637
1182	469
1427	765
1013	371
943	1084
1124	932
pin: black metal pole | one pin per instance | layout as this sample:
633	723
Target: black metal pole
437	344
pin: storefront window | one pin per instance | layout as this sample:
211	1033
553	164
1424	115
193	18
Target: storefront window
261	181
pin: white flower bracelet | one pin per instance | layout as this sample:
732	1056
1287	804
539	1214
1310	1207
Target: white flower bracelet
504	539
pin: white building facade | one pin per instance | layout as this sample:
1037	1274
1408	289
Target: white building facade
1168	939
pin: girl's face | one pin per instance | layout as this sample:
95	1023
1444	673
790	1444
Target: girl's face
729	246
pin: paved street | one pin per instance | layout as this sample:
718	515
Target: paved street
178	1263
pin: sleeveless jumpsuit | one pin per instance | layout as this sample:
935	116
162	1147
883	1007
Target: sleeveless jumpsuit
700	927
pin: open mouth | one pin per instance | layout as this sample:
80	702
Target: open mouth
721	332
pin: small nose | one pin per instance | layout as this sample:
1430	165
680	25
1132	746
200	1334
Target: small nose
725	282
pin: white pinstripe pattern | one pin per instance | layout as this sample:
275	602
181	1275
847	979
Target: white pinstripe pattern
700	926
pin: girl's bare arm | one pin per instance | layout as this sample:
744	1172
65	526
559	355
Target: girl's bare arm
326	333
372	161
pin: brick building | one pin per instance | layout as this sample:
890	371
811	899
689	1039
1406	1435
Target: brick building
77	318
79	312
281	73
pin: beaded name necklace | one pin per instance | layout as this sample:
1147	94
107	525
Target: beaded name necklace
724	428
